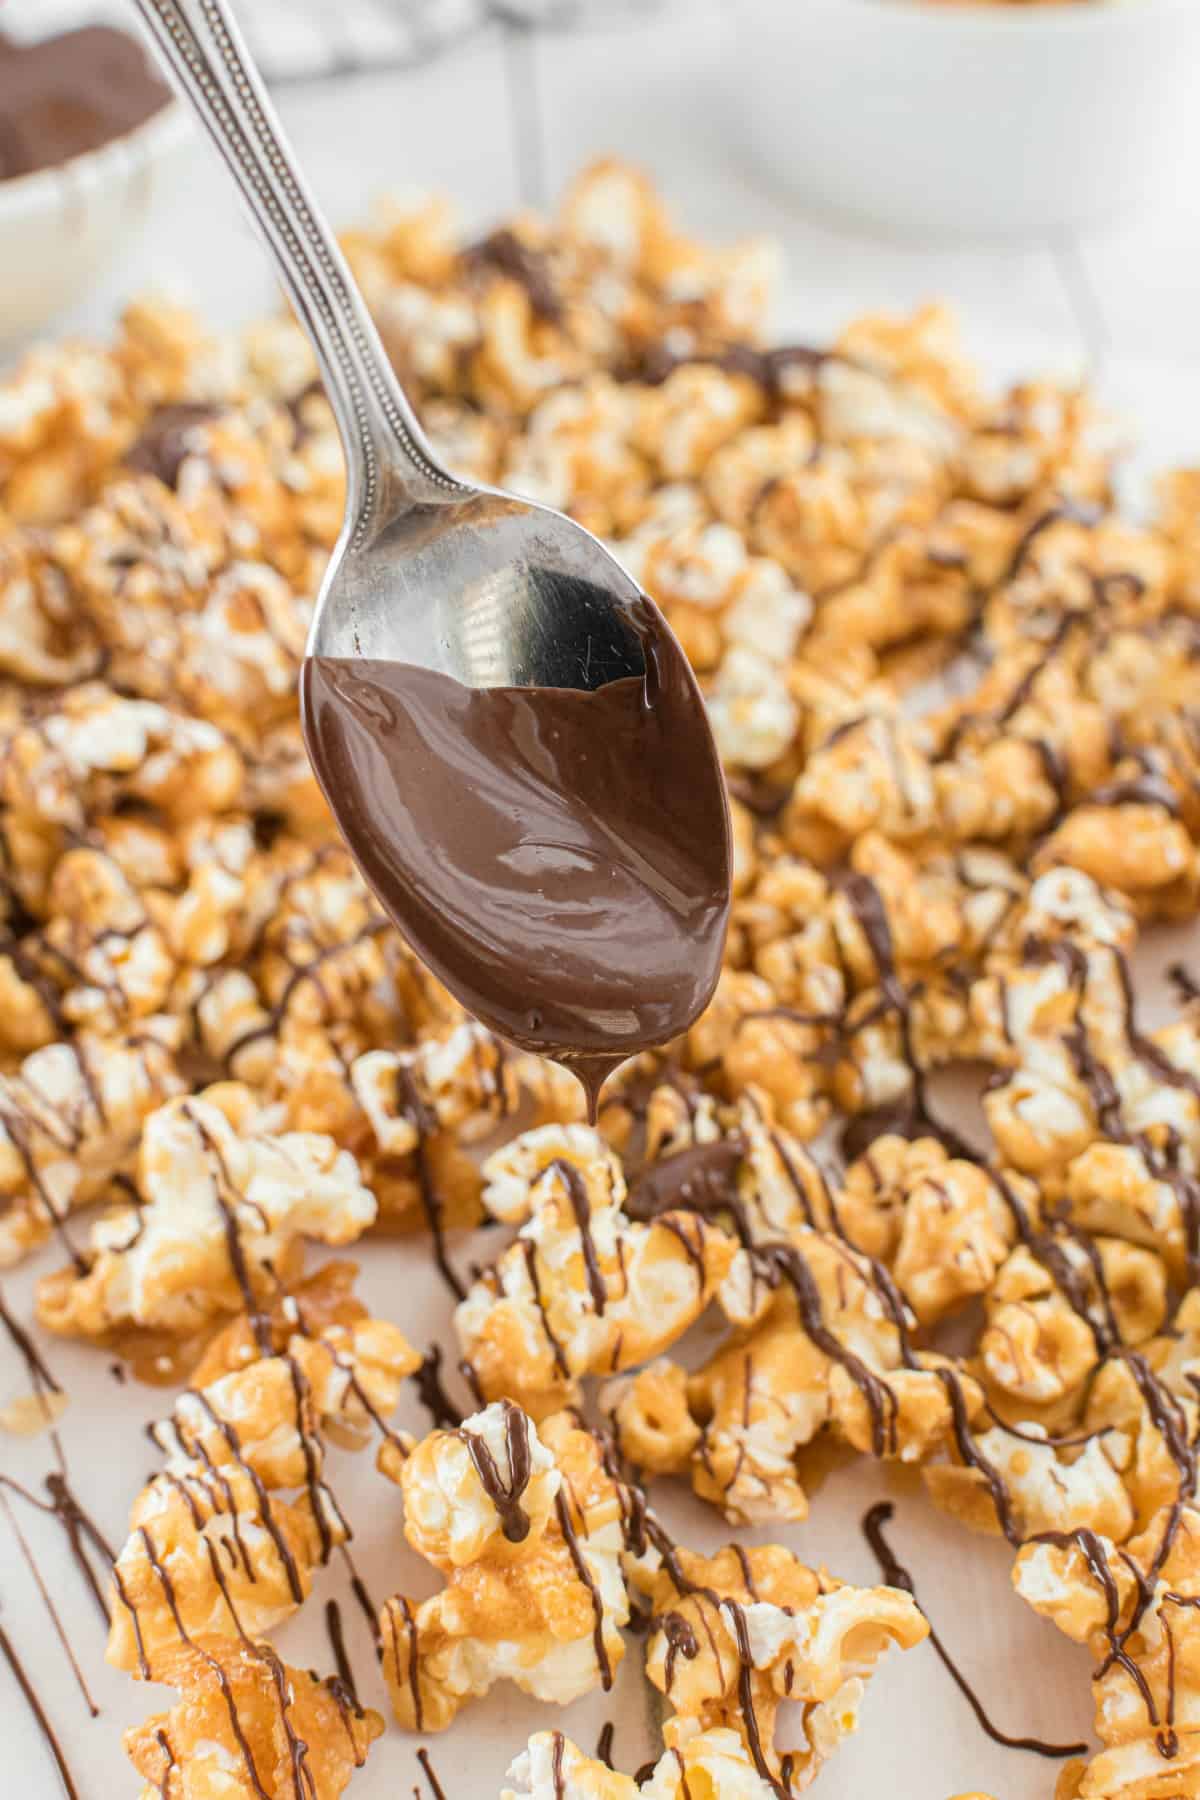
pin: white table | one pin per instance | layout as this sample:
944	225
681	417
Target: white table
503	121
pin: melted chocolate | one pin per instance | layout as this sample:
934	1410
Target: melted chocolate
505	1495
70	94
39	1713
435	1786
337	1643
39	1374
163	447
509	255
559	858
700	1180
897	1576
431	1391
580	1564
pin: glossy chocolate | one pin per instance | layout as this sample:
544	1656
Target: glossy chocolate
559	858
72	93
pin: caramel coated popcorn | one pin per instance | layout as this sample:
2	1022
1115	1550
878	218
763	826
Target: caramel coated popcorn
954	689
527	1525
244	1724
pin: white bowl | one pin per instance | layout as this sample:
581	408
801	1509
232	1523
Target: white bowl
58	227
971	120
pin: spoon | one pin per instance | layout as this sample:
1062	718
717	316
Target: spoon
507	732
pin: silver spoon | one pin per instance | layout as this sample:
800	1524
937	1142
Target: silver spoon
430	571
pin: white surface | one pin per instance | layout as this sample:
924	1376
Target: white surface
971	121
1130	297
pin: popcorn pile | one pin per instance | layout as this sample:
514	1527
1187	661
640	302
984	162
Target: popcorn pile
207	1023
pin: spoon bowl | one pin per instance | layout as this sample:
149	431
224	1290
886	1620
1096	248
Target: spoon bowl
489	589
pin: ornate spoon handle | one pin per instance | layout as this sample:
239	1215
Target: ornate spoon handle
389	461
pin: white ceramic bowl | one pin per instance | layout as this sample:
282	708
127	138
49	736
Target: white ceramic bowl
971	120
59	227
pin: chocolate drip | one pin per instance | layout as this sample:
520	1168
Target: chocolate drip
414	1673
78	1525
652	1531
581	1206
432	1393
260	1324
604	1744
35	1706
358	1588
974	1457
776	1263
162	448
505	1496
1076	512
163	1577
268	1519
1022	693
424	1122
693	1248
337	1642
435	1786
575	1550
308	1450
52	1611
910	1115
895	1575
681	1641
1187	987
655	363
529	1251
504	251
701	1179
1149	789
39	1374
17	1129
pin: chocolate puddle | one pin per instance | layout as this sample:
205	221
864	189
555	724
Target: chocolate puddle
72	93
560	859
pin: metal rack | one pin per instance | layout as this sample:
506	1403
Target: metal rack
307	40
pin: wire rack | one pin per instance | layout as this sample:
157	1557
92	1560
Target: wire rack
306	40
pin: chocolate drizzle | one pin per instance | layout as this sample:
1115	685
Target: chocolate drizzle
910	1115
582	1569
337	1643
777	1263
645	1528
163	445
435	1786
581	1206
701	1179
505	1493
505	252
897	1576
423	1121
35	1706
432	1393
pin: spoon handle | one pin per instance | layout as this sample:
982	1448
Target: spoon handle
389	461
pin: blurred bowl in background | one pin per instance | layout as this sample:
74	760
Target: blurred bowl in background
60	226
971	120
